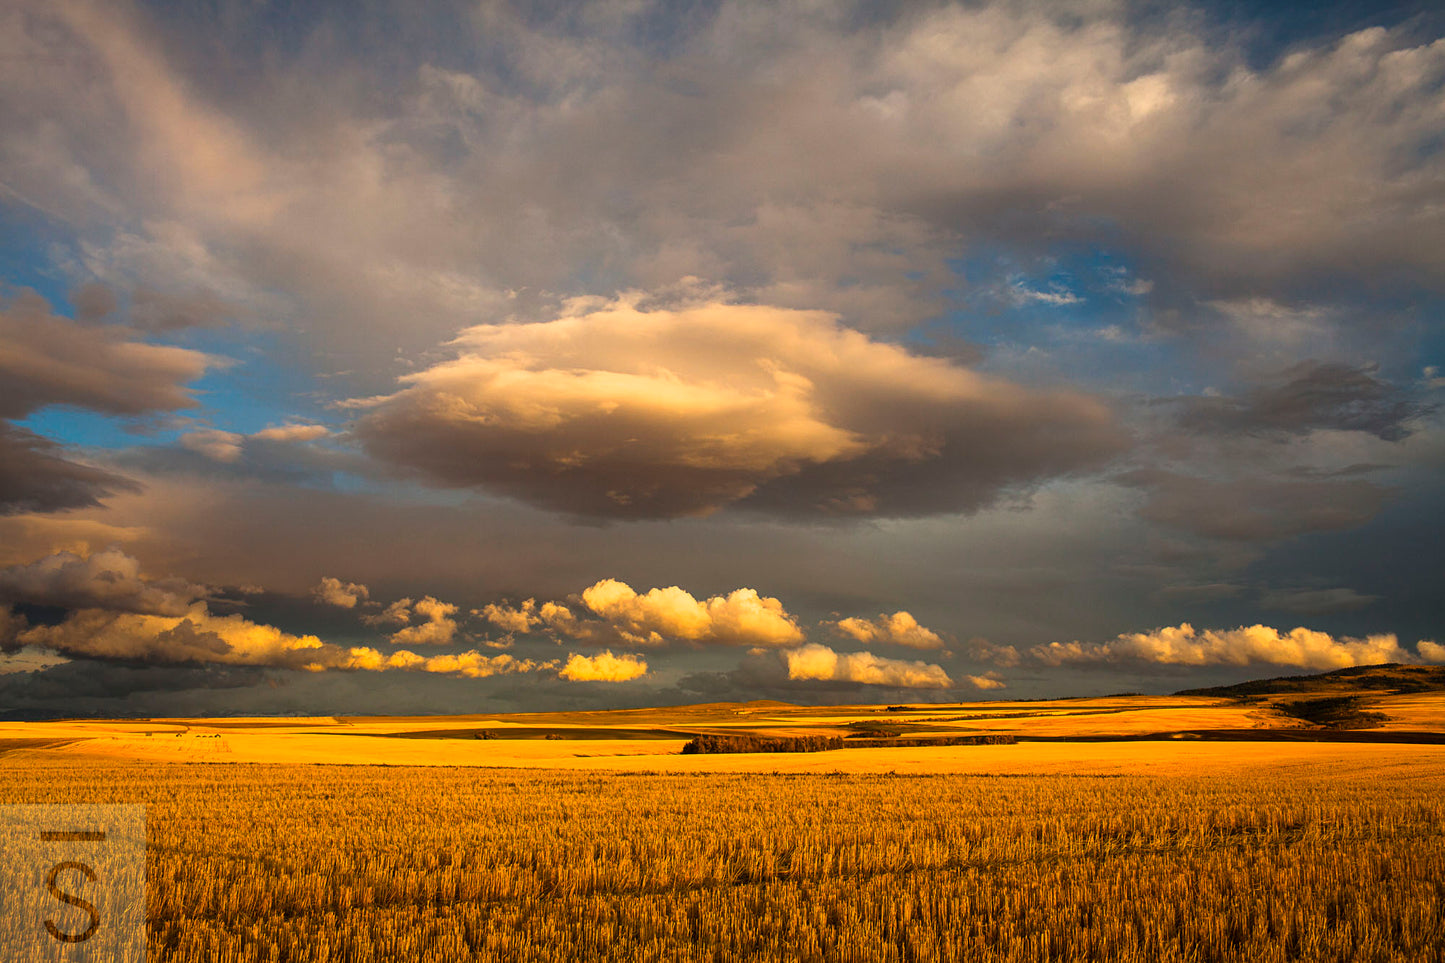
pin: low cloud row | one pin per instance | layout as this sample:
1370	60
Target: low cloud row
104	607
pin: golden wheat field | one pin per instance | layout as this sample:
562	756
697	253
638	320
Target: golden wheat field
350	863
589	836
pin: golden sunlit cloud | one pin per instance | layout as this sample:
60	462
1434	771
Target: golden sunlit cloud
439	628
293	433
200	637
1246	645
604	667
197	636
900	628
623	410
345	595
397	613
614	613
1430	650
819	662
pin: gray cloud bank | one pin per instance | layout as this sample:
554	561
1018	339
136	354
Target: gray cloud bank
823	156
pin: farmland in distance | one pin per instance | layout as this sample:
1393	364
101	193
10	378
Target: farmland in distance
1110	847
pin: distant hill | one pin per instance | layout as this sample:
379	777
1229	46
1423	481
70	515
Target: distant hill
1377	679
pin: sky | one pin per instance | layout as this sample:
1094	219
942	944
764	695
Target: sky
457	357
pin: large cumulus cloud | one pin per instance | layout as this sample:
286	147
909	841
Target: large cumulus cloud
625	411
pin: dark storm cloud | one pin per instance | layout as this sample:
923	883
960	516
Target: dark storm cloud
110	580
1311	396
110	689
34	478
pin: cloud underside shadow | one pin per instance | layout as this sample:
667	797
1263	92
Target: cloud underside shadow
625	412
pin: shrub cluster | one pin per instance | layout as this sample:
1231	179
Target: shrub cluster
1342	712
910	742
715	744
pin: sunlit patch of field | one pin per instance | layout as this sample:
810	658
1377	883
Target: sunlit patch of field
1419	711
662	756
1343	860
651	739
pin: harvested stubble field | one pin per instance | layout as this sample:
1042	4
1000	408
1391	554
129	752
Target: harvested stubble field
289	862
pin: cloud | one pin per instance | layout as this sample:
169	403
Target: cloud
810	160
1316	601
1431	651
627	411
900	628
293	433
521	618
34	478
49	360
197	636
12	623
292	452
200	637
397	613
1056	296
989	681
742	617
222	446
1246	645
603	667
228	447
153	310
814	662
1255	508
346	595
471	664
109	580
613	613
982	650
1311	396
438	629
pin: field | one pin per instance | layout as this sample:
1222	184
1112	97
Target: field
1111	847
